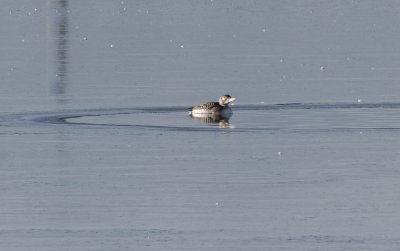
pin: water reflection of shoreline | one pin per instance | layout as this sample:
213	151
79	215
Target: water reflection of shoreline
58	36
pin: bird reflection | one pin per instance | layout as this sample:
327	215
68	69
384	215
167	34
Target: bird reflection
223	122
59	39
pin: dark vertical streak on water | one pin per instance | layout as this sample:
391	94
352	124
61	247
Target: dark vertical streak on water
59	38
59	61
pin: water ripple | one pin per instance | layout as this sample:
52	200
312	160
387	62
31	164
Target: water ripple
296	117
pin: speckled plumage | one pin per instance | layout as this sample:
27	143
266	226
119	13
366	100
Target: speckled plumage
209	107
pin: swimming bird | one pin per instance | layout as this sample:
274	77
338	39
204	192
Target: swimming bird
213	109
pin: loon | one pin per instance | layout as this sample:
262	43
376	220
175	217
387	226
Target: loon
210	109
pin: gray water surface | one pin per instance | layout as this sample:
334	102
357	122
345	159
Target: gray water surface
98	151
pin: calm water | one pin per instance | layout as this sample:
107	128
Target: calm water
98	152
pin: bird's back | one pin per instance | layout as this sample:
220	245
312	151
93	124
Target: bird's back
208	107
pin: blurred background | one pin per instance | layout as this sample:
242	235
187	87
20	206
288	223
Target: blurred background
63	54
